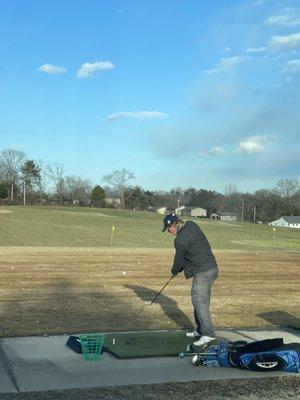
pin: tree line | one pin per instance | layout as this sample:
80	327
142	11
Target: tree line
26	181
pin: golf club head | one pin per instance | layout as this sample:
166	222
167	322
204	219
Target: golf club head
190	348
146	303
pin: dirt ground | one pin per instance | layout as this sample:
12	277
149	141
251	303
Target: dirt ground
73	290
276	388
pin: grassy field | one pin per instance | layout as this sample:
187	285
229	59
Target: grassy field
60	273
91	227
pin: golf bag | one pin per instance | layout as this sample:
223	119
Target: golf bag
268	355
273	360
263	355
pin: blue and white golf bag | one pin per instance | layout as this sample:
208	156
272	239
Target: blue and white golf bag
264	355
274	360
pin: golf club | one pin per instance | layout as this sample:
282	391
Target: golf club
147	303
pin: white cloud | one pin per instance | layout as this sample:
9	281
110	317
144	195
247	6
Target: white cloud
217	151
52	69
286	54
214	151
293	66
253	144
289	18
256	49
226	64
226	49
136	115
285	42
89	69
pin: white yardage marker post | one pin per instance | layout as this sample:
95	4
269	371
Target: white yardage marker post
274	234
112	235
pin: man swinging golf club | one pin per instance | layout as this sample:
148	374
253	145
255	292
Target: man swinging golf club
195	258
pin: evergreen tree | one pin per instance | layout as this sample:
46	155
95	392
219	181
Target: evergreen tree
98	196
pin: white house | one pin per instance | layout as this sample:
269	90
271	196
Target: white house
224	216
157	209
287	222
113	200
194	212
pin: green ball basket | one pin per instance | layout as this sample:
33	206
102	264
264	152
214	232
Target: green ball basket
91	345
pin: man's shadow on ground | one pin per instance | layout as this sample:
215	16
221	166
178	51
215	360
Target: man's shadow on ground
281	318
168	305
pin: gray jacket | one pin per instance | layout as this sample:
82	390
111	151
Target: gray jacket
193	251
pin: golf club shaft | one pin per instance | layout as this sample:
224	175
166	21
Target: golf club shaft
161	290
181	355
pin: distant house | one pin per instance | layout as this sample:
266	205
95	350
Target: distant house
194	212
287	222
173	210
157	209
224	216
113	202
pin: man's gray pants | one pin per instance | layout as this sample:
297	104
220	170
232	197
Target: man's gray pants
201	292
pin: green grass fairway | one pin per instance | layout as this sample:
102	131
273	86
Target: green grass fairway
92	227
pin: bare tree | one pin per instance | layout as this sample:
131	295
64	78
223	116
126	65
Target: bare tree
56	172
287	188
10	166
230	189
233	199
77	188
118	180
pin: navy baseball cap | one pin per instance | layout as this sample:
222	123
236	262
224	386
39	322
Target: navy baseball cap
169	220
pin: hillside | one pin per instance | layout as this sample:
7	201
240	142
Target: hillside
91	227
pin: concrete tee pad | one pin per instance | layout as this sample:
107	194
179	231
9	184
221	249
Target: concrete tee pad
6	383
45	363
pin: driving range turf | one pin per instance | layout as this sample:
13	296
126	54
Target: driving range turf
62	273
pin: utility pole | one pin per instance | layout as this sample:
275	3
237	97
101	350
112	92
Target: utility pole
24	193
242	210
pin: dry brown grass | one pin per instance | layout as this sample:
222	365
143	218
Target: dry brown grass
52	290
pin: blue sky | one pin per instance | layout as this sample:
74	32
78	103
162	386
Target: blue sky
182	93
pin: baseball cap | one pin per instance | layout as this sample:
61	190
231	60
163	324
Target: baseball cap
169	220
